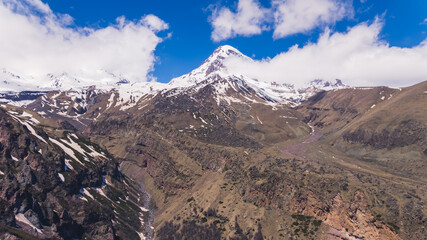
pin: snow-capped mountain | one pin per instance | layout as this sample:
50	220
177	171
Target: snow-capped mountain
214	68
214	65
212	71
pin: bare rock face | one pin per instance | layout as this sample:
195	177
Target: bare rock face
43	192
351	221
355	221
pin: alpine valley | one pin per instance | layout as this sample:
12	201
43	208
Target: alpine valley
210	155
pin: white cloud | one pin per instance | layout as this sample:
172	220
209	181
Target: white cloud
248	20
35	41
357	56
154	23
296	16
286	17
424	21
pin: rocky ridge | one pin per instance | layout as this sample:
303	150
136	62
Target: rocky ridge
55	184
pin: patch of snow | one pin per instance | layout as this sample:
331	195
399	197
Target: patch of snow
106	181
143	106
141	235
56	95
86	192
110	101
288	117
311	127
22	218
33	132
127	106
259	120
74	146
82	197
29	127
382	98
29	115
68	165
94	153
101	192
66	149
14	158
203	120
373	106
1	173
143	209
25	114
74	135
227	99
61	177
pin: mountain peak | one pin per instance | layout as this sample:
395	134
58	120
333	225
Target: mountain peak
227	51
214	64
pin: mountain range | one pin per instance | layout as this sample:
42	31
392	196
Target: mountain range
210	155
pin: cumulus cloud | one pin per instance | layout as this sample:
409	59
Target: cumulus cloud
154	23
358	57
286	17
248	20
35	41
296	16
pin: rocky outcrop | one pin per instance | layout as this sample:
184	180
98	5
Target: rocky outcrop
355	221
50	196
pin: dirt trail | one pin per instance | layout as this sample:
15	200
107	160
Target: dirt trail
297	150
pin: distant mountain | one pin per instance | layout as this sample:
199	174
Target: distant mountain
211	70
215	68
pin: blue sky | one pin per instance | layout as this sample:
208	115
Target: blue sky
191	31
362	42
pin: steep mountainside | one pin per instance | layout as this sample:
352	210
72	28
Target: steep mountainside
55	184
382	125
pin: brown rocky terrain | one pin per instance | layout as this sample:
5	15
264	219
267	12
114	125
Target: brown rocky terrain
219	159
228	164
